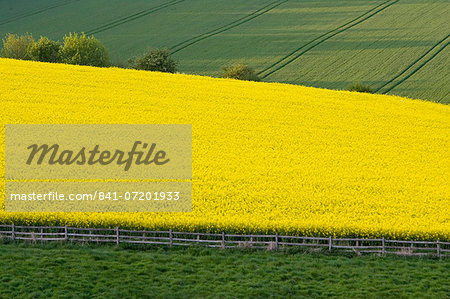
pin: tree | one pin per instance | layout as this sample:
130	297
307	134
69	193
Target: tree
83	50
16	47
45	50
240	71
158	60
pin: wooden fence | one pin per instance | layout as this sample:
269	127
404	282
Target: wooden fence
169	238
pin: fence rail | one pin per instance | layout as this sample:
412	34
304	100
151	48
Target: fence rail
169	238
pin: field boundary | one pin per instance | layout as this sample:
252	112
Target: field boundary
193	40
358	246
440	45
36	11
132	17
281	63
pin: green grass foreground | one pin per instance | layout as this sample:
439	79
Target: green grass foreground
76	271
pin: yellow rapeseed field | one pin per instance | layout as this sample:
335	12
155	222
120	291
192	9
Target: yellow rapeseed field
266	157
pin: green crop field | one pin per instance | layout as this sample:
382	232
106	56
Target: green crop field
81	271
395	46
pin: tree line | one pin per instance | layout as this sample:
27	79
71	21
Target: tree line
80	49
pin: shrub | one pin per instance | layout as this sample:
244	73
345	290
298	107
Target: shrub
45	50
158	60
359	87
16	47
241	72
83	50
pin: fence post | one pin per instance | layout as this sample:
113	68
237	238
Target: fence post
330	240
223	239
276	241
438	248
65	233
383	251
117	235
170	238
13	232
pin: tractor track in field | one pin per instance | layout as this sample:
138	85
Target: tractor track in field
448	93
36	11
184	44
420	62
132	17
281	63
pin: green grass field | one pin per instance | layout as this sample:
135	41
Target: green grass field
395	46
75	271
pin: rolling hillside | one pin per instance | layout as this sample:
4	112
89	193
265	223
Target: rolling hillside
266	156
396	46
